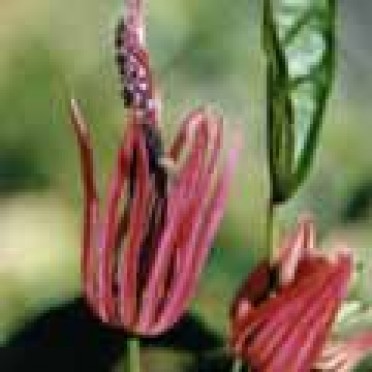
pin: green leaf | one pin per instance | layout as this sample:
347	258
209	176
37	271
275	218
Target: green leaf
299	41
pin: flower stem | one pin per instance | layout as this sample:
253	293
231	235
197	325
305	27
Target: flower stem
270	229
133	355
237	365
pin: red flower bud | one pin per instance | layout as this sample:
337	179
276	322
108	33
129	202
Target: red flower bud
283	315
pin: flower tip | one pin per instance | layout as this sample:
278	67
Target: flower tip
346	257
209	117
306	219
342	255
74	106
344	250
295	248
77	118
343	261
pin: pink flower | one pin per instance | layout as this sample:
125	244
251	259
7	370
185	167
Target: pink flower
143	254
282	316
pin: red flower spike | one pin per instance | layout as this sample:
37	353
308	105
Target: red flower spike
141	264
132	58
142	257
282	316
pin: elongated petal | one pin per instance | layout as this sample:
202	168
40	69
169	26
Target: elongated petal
91	212
106	245
295	248
128	275
188	126
179	195
195	257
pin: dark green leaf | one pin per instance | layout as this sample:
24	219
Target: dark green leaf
299	40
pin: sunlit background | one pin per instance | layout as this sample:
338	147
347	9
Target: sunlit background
202	51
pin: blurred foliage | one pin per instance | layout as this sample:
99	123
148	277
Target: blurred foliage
201	52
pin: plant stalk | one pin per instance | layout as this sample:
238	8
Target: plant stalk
133	355
237	365
270	249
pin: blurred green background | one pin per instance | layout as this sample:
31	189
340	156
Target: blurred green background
202	51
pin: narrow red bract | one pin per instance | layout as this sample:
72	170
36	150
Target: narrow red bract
283	314
143	255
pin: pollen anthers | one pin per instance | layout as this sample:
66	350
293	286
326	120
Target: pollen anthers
134	68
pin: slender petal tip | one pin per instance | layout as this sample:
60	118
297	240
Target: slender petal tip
78	119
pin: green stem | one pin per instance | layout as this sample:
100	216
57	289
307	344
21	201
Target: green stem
237	365
133	355
270	229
